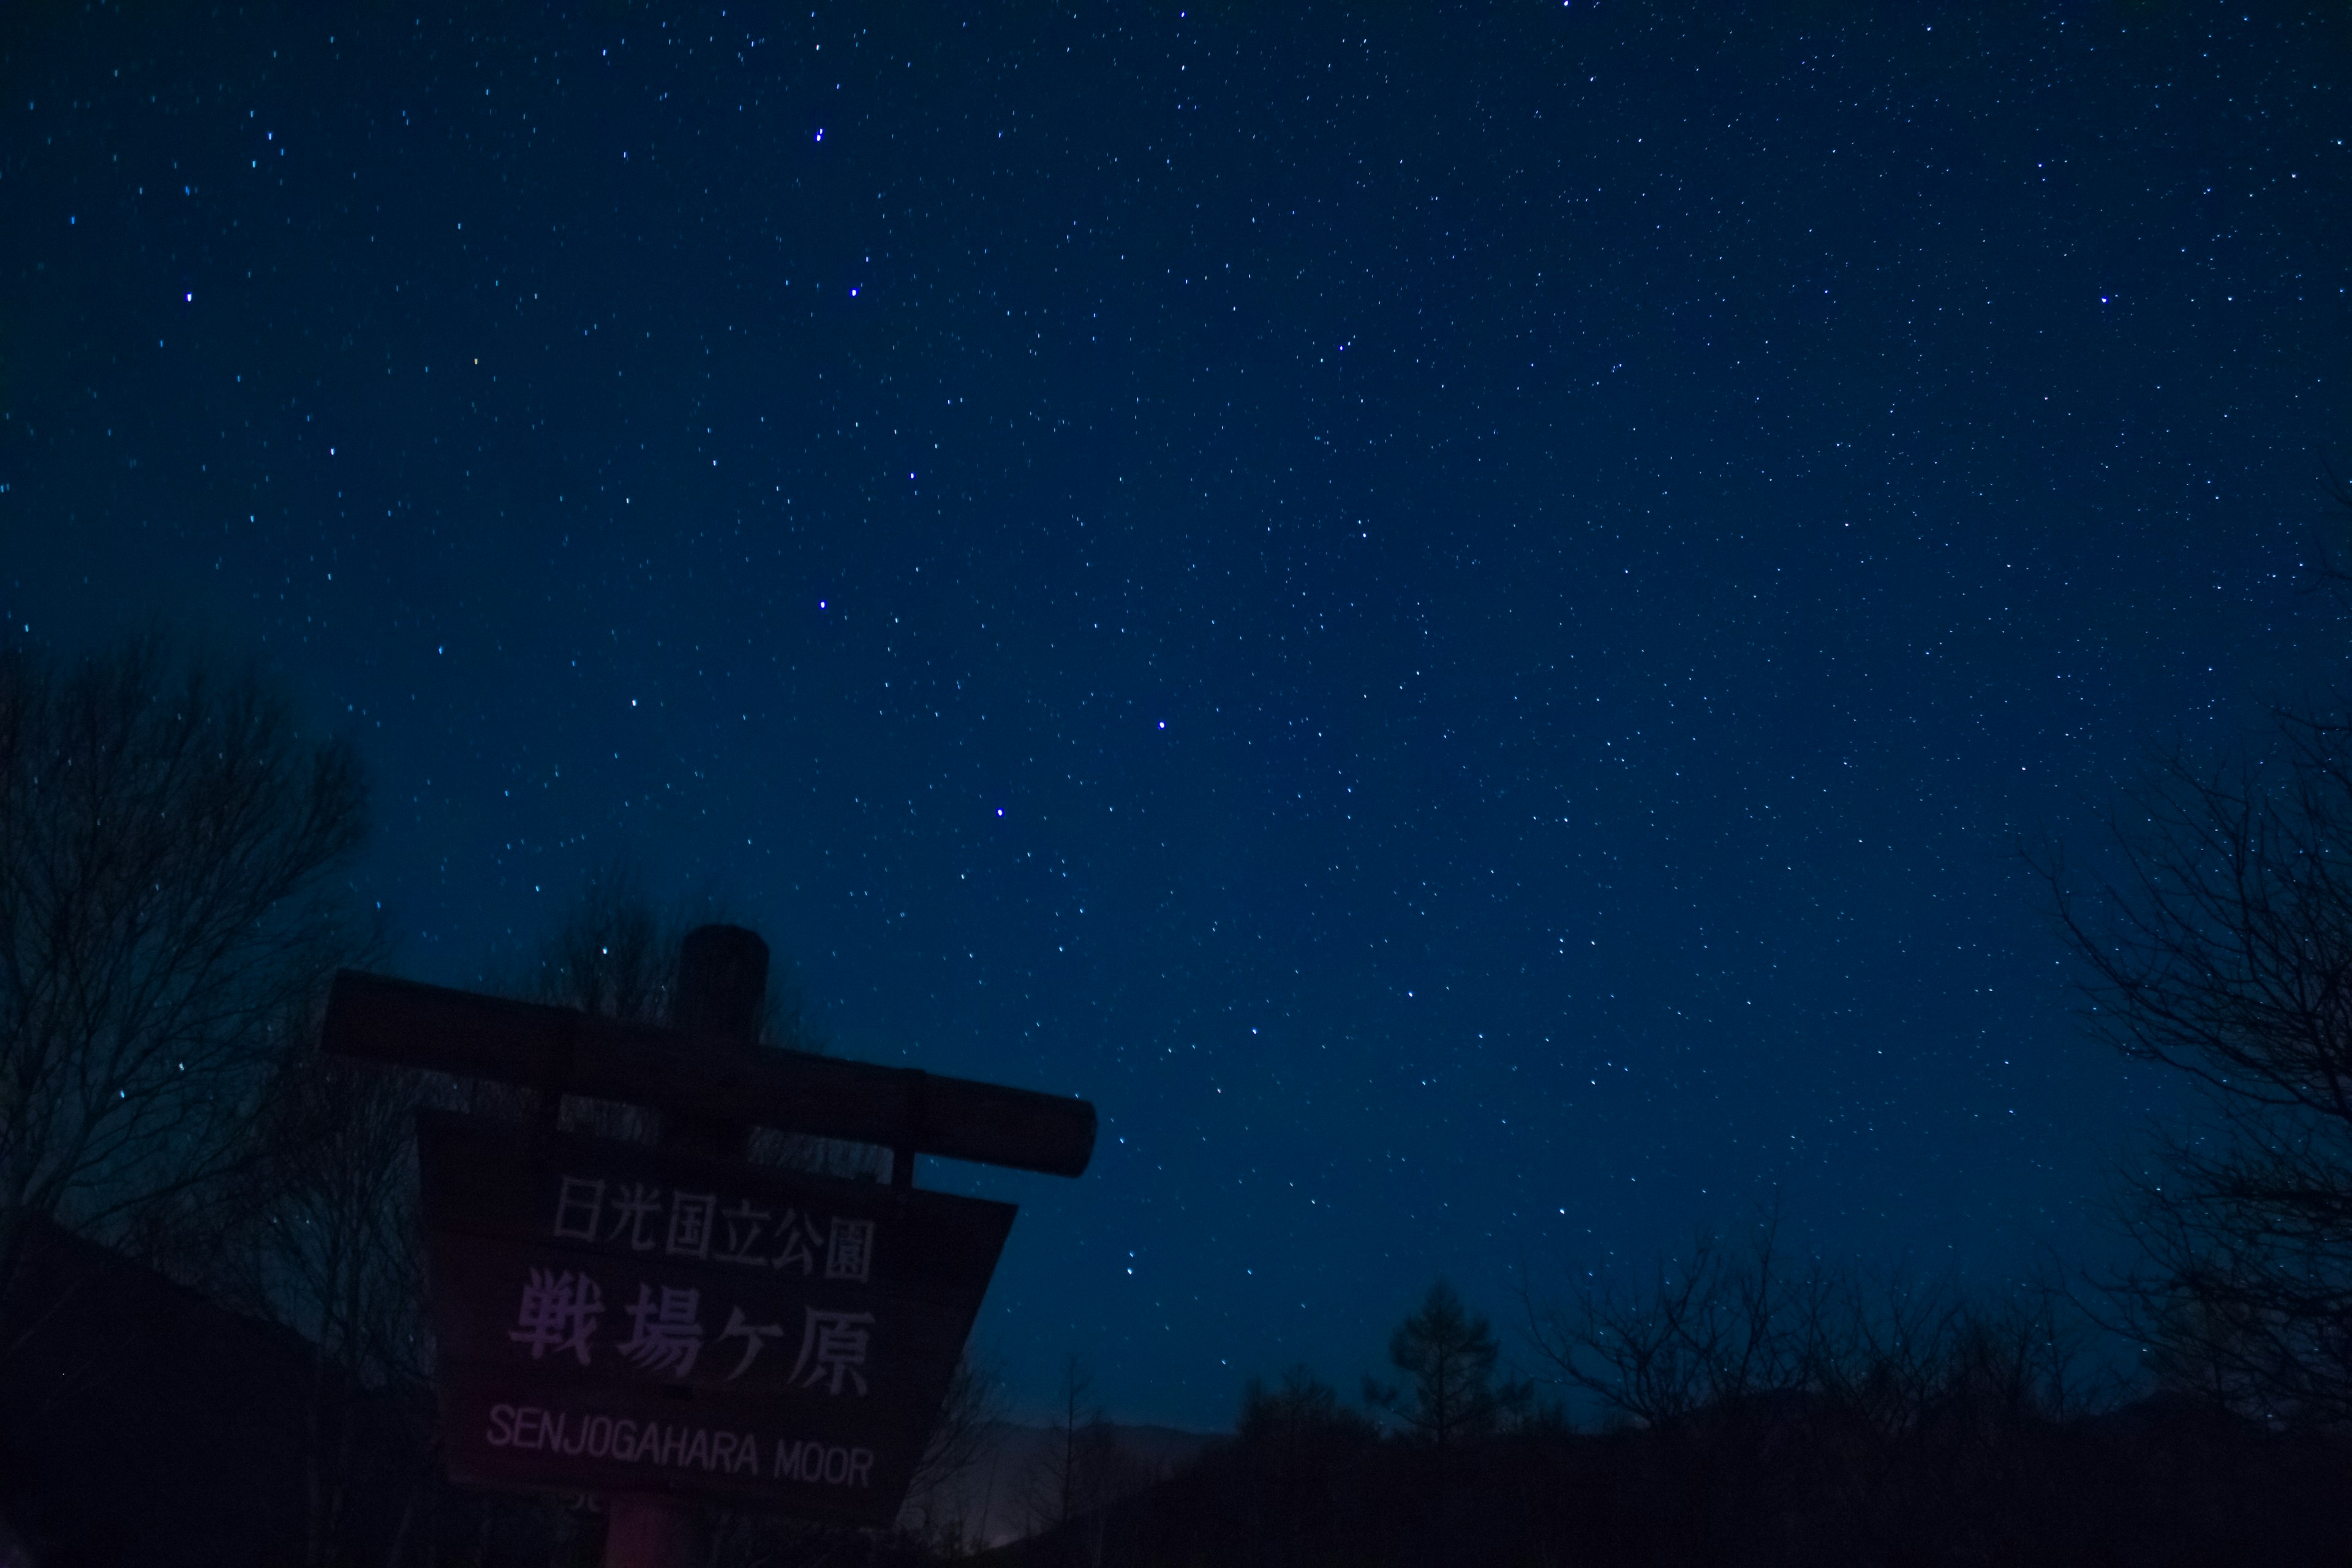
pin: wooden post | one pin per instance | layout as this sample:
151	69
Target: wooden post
374	1018
722	988
645	1529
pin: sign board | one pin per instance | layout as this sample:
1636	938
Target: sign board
374	1017
614	1317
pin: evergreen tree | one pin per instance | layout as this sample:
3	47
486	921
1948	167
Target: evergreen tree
1449	1354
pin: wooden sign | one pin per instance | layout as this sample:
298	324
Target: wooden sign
377	1018
666	1323
620	1318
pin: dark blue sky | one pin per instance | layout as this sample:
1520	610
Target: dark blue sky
1455	613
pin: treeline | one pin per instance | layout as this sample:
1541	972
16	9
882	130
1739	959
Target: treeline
1752	1418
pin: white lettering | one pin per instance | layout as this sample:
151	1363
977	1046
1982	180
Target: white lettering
636	1217
559	1312
834	1342
635	1208
577	1205
668	1331
689	1223
745	1222
574	1433
849	1254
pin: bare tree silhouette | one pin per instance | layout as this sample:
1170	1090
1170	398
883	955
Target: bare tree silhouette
1759	1382
169	913
2221	947
1077	1472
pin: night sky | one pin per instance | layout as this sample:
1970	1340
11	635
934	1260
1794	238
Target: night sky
1455	613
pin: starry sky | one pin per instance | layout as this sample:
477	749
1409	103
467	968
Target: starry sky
1454	613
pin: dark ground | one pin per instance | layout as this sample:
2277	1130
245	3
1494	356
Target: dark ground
142	1424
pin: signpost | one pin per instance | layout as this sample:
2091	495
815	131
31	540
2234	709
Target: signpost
617	1318
663	1324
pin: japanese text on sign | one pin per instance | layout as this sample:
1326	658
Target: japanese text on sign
636	1216
562	1311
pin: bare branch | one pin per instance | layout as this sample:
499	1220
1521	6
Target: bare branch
168	841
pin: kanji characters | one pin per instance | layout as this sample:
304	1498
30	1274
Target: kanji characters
690	1224
646	1217
744	1224
834	1345
635	1206
559	1312
667	1332
849	1254
753	1334
799	1234
579	1207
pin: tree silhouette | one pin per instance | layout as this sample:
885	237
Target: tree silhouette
1450	1356
1715	1325
328	1243
1300	1412
1076	1473
2221	946
169	916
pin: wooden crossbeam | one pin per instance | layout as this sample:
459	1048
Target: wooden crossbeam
375	1017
